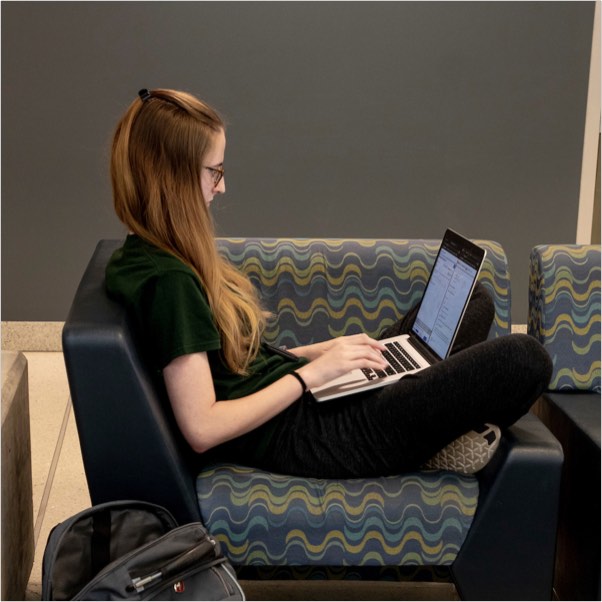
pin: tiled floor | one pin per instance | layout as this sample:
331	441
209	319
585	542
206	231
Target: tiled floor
60	491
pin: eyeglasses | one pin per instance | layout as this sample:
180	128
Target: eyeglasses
217	173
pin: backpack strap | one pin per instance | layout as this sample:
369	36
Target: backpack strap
101	540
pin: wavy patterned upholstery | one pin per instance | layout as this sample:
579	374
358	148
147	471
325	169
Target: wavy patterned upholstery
266	519
326	288
564	315
320	289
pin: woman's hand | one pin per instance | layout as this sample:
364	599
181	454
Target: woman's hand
341	355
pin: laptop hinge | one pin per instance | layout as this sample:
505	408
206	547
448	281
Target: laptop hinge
423	349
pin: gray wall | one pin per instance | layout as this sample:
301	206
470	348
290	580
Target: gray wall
345	120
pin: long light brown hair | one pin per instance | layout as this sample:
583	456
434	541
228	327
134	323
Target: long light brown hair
158	152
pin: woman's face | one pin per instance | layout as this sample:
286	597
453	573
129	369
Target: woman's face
212	176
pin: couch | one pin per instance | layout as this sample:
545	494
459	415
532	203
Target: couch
492	534
564	315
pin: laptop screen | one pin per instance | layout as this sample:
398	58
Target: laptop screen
447	293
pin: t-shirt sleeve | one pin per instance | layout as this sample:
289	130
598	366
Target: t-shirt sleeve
176	318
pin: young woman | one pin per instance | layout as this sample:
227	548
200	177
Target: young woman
201	323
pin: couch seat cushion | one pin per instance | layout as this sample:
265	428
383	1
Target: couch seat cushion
266	519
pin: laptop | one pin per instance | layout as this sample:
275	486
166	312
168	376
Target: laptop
442	308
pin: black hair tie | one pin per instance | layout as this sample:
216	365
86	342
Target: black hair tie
300	379
144	94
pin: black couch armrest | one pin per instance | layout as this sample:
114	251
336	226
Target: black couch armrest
131	447
574	418
507	532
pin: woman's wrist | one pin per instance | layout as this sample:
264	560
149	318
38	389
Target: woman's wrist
301	381
311	352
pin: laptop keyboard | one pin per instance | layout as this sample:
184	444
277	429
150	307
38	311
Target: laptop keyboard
399	360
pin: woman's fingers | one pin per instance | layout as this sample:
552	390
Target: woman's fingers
343	355
364	346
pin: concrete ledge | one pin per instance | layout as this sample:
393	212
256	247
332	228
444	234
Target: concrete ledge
17	504
32	336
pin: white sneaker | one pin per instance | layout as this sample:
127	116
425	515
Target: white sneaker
469	453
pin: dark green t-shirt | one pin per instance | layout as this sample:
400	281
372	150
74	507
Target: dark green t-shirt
172	317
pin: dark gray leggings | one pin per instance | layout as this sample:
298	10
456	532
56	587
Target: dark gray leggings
399	427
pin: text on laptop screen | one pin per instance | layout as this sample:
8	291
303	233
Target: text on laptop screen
444	301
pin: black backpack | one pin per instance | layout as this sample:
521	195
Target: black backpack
134	550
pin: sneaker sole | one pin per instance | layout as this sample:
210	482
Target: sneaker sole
469	453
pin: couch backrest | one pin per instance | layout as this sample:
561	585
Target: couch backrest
325	288
564	312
